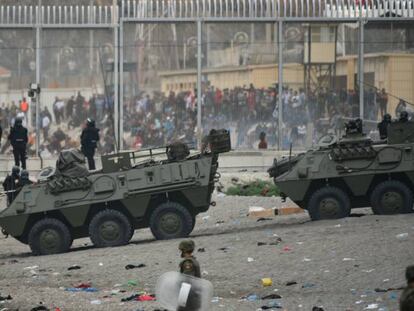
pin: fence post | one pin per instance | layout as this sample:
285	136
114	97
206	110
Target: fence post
38	65
121	83
199	77
280	83
361	69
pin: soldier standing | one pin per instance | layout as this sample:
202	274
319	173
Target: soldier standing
89	142
18	139
190	266
23	180
383	126
10	184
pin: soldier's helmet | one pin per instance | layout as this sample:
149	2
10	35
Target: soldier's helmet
90	122
404	116
387	117
409	274
186	246
18	122
15	170
24	174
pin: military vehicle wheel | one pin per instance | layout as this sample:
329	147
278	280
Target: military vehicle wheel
329	203
110	228
391	197
49	236
171	220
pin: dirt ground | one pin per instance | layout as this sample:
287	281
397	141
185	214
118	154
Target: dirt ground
336	264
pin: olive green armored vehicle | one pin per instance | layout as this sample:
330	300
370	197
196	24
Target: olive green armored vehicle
351	172
163	189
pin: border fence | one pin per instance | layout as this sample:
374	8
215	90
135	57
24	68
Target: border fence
152	71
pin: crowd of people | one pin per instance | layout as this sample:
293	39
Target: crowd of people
249	113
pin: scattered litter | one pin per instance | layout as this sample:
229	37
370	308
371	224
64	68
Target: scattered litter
317	309
291	283
260	212
40	308
261	243
101	264
205	217
74	267
306	259
220	222
272	304
264	219
215	299
272	296
132	283
130	298
8	297
252	297
96	302
129	266
348	259
287	249
368	271
299	243
393	296
402	236
83	285
371	306
288	211
84	289
146	298
250	259
201	250
338	226
386	280
223	249
267	282
31	268
204	273
380	290
326	271
308	285
359	302
221	195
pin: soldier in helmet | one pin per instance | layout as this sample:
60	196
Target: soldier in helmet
89	142
403	117
18	139
189	265
407	296
23	180
383	126
10	184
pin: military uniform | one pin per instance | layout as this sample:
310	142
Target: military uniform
18	139
383	126
89	142
10	184
190	266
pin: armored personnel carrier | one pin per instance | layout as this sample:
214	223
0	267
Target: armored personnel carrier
353	171
163	189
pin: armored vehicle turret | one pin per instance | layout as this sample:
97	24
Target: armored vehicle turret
354	171
163	189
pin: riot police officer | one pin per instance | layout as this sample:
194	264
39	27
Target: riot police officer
403	117
23	180
18	139
89	142
383	126
10	184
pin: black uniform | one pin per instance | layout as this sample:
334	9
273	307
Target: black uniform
18	139
383	126
10	184
89	142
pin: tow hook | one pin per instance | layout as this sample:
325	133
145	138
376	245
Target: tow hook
213	203
6	235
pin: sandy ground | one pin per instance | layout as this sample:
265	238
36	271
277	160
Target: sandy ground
336	264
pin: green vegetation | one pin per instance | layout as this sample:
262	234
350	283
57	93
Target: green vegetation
254	188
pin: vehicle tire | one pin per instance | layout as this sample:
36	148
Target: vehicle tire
110	228
329	203
391	197
171	220
49	236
